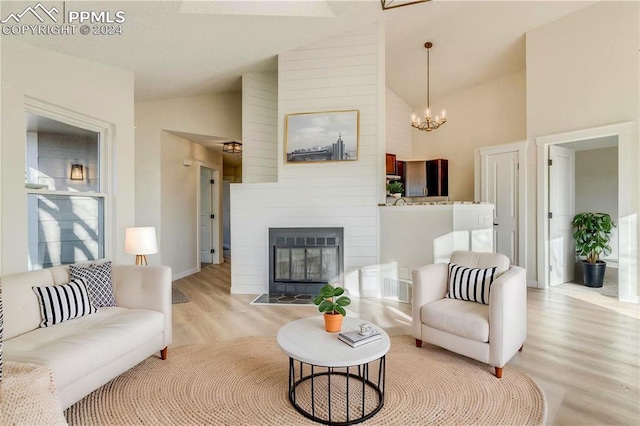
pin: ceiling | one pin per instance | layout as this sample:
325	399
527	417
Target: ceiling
185	48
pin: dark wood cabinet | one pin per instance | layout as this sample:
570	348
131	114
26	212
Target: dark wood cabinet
427	178
438	178
400	170
391	164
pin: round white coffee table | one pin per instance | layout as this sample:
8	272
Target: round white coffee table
329	381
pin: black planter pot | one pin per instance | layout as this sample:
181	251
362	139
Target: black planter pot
593	273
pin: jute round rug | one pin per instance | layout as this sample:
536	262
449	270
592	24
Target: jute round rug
244	382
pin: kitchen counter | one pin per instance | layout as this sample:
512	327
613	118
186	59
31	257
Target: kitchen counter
402	201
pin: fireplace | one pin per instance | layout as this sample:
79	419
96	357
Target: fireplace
302	260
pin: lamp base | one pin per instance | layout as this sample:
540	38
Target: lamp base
141	259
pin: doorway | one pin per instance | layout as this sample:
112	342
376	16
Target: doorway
500	179
549	181
208	220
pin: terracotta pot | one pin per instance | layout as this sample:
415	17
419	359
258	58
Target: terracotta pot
332	323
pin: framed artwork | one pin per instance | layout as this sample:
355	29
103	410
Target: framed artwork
314	137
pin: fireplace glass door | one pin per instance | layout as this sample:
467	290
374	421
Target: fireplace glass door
299	264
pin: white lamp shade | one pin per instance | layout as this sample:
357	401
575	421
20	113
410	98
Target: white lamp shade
141	240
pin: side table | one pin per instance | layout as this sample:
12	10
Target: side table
329	381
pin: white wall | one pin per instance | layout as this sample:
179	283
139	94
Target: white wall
260	127
157	160
597	186
583	72
339	73
178	203
398	131
92	90
489	114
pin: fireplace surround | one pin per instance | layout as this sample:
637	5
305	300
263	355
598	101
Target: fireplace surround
302	260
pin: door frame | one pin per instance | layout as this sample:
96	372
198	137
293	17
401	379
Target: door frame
626	221
521	148
216	242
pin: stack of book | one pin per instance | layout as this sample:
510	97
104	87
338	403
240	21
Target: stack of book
355	339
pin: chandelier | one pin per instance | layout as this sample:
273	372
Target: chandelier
232	147
428	124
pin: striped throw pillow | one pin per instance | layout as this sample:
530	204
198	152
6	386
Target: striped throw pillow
472	284
60	303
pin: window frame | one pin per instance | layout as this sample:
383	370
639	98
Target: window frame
105	135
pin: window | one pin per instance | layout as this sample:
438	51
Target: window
66	194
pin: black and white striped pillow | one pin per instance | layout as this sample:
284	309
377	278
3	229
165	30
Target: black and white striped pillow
472	284
60	303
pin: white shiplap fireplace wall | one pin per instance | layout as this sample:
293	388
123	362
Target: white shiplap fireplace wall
340	73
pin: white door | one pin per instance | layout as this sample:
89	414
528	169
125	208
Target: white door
207	215
499	185
561	211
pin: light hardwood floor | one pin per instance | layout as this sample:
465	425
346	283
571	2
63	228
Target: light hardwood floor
584	351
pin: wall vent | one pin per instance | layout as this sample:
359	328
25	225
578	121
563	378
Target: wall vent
395	289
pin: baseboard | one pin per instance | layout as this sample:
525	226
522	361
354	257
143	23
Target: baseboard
183	274
532	283
249	289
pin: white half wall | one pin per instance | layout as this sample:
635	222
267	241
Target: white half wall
583	72
340	73
81	87
259	127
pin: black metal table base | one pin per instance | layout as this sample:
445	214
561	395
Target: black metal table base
361	398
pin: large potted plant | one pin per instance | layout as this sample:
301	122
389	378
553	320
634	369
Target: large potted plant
331	301
592	236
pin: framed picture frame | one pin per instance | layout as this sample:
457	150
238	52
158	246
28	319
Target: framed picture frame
316	137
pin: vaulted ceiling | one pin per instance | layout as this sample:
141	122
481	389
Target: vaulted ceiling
183	48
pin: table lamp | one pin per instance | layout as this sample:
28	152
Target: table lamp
141	241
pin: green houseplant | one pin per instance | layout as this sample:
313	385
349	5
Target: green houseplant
395	188
592	233
331	302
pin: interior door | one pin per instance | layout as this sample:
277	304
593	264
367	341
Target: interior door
499	185
206	215
561	169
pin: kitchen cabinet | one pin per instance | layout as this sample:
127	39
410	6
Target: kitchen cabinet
401	166
438	178
391	164
427	178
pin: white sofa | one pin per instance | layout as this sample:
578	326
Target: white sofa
87	352
490	333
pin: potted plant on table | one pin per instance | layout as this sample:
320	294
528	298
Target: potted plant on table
395	188
592	236
331	301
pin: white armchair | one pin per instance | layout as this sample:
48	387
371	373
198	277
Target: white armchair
490	333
